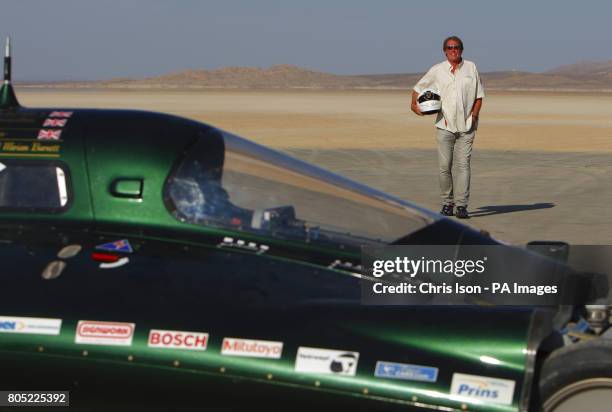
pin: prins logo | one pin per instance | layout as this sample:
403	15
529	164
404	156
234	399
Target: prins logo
483	388
104	333
173	339
252	348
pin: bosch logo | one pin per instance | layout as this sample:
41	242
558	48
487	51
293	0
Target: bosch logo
170	339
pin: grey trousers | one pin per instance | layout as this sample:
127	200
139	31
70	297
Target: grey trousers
455	148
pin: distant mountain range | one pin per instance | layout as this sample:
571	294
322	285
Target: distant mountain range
594	76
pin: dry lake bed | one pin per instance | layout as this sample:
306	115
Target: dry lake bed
541	167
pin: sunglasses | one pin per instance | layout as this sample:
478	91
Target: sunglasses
453	47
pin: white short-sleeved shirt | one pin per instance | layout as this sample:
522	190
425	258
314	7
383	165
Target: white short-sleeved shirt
458	91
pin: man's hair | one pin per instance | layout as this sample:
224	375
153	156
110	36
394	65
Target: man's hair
455	38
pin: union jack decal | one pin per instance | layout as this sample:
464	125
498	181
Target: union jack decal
55	122
60	114
44	134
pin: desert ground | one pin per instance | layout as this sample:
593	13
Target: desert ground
541	166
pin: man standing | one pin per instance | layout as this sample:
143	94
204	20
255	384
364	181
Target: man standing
461	93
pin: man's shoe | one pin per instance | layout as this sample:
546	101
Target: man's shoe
462	212
447	210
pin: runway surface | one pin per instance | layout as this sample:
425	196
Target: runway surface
516	196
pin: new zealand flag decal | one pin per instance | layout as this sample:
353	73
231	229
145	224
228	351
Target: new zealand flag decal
116	246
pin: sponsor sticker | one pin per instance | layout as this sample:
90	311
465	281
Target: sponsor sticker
483	388
406	371
337	362
104	333
122	245
174	339
33	326
252	348
60	114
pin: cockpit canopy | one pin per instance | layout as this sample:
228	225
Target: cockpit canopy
228	182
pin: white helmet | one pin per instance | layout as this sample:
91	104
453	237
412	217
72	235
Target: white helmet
429	102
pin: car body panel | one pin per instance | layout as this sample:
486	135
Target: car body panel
217	279
171	287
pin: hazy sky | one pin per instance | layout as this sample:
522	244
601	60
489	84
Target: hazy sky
82	39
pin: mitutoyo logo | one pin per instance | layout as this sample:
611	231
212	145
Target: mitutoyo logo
252	348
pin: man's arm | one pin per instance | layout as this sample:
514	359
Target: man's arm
476	108
414	106
479	95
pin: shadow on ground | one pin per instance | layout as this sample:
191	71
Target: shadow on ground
500	209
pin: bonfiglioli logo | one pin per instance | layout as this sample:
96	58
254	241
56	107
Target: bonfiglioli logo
34	326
